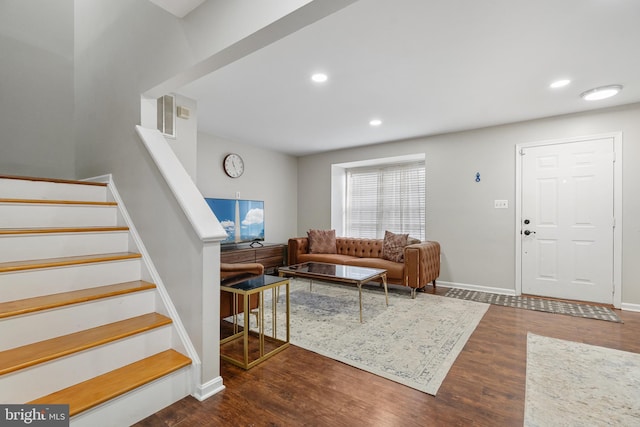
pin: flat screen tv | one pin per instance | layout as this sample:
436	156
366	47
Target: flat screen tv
243	220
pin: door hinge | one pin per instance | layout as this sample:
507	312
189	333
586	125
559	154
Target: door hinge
522	152
614	222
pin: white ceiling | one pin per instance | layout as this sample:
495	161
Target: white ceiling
423	67
179	8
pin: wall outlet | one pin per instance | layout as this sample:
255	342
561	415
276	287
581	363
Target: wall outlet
501	204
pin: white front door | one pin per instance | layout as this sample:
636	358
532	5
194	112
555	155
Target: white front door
567	220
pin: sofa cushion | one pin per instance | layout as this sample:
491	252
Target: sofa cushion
322	241
393	246
395	270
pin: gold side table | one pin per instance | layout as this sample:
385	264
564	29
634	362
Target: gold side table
245	347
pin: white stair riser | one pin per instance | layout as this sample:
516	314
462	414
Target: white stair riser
42	190
17	331
18	387
41	246
139	403
31	283
26	215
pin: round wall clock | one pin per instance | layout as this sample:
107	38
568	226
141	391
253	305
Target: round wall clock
233	165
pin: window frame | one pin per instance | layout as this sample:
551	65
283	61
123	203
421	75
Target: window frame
339	193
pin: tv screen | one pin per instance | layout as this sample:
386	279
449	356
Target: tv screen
243	220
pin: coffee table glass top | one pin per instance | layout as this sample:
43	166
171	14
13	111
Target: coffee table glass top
346	272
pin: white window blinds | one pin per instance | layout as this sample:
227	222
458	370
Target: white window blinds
386	197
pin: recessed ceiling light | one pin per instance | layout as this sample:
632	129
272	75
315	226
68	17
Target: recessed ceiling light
319	77
602	92
375	122
559	83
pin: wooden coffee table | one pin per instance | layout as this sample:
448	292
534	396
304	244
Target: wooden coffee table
337	273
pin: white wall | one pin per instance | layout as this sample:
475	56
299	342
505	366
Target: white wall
477	240
185	144
268	176
36	88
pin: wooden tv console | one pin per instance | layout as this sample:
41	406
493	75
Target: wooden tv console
271	255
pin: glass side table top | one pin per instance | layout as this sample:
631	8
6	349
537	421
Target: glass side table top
254	283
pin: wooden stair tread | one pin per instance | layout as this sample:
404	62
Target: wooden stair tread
58	202
46	302
55	180
43	351
53	230
65	261
100	389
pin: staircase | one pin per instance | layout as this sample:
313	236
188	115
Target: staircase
80	322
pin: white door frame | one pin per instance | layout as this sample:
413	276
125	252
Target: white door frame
617	207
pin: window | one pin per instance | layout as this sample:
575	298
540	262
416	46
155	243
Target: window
385	197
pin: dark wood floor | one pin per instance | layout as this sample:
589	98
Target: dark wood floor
485	386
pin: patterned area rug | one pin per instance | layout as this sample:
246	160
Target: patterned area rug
575	384
412	341
538	304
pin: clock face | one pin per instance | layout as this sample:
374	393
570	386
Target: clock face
233	165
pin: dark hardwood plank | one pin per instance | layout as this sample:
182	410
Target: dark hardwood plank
485	386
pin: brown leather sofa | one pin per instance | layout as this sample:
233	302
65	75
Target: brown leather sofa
421	260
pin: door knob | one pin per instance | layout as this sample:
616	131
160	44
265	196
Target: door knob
527	232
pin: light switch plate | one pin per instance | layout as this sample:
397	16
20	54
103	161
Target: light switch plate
501	204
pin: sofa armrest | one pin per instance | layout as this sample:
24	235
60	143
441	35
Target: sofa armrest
297	246
421	264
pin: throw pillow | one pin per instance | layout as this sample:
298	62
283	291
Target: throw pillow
393	246
322	241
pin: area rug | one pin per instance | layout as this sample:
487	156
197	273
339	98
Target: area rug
575	384
412	341
539	304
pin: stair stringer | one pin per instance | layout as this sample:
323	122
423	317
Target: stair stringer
182	342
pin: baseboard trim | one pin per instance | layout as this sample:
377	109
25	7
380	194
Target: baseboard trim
208	389
630	307
478	288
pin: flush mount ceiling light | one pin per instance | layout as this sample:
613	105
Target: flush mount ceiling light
319	77
559	83
375	122
602	92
